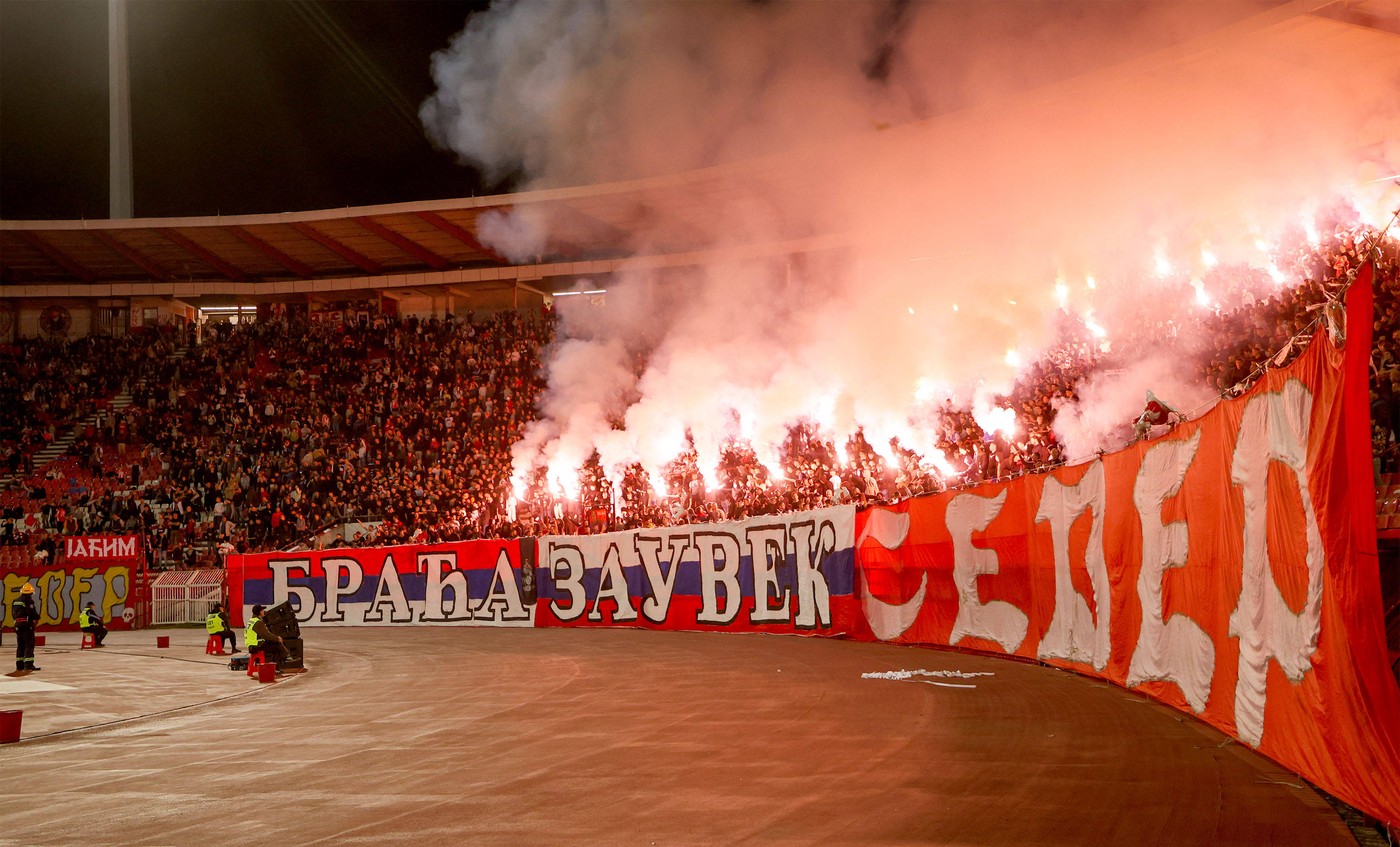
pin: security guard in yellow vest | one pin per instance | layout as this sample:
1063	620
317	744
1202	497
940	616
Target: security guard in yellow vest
259	640
216	622
91	621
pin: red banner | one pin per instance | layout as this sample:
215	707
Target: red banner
1227	568
62	591
465	583
85	547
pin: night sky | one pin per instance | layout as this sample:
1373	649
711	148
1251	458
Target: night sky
237	107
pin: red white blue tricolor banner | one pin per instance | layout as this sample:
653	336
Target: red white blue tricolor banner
783	573
464	583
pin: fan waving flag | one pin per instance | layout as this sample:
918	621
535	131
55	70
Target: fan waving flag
1156	412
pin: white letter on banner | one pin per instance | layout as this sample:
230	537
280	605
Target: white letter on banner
435	598
657	603
996	620
502	601
888	620
1073	634
713	546
1176	650
354	578
767	550
390	589
612	583
812	545
303	595
1274	429
572	558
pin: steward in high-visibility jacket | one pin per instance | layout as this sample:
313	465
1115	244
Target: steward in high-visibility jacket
91	622
259	640
216	622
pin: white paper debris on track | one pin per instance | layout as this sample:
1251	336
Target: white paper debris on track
903	675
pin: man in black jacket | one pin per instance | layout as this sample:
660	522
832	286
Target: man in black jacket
26	617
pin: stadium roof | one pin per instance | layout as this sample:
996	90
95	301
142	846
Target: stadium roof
304	246
589	231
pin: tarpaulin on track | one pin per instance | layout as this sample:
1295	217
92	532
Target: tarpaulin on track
1227	568
464	583
778	573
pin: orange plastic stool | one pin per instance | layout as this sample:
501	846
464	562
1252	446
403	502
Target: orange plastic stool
214	646
254	662
89	641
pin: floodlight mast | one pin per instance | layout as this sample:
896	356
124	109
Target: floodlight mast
119	114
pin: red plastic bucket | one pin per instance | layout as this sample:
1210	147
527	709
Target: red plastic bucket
9	726
39	641
267	672
162	641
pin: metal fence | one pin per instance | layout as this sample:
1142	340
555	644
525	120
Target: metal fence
183	597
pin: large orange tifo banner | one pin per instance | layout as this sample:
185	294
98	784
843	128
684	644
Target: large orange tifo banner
1227	568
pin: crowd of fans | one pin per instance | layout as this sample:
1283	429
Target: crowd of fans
281	432
406	424
49	384
1234	335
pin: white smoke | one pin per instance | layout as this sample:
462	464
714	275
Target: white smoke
968	157
519	235
1109	401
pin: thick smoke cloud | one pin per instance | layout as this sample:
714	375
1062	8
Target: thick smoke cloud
978	164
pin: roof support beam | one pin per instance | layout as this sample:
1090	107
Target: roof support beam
300	269
532	289
55	255
130	254
462	234
365	264
203	254
412	248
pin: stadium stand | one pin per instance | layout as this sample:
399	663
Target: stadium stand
280	432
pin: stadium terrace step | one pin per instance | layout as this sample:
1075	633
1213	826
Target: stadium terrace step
59	446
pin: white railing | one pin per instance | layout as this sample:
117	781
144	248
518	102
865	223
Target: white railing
179	601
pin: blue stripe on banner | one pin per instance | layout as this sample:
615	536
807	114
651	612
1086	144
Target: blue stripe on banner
838	568
415	586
